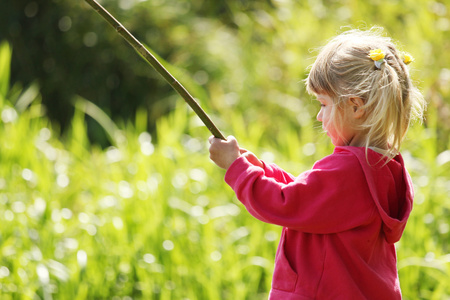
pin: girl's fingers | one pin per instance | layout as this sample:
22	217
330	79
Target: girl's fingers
242	150
251	158
230	140
223	152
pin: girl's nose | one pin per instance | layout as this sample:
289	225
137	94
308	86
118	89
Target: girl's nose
319	116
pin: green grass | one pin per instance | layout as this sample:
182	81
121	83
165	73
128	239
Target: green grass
151	217
154	222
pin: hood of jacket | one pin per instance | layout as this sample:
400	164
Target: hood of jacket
390	186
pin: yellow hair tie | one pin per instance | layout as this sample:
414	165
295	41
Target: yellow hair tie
407	58
377	55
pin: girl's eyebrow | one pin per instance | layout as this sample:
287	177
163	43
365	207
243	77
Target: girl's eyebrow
321	97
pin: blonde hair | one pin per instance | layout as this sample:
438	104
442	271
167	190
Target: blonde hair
343	69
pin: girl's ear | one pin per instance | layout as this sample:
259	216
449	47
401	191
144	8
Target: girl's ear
357	105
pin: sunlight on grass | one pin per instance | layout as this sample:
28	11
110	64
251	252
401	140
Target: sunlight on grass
156	221
150	216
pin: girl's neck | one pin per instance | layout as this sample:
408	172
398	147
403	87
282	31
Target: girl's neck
378	150
359	139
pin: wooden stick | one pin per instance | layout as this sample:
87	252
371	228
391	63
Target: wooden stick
158	67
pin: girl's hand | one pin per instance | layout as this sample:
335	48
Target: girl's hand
223	153
251	158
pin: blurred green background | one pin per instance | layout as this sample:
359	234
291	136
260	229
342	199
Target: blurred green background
106	188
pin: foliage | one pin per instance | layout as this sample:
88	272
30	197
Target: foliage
235	56
147	216
146	220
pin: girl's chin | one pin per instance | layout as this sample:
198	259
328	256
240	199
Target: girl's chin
337	142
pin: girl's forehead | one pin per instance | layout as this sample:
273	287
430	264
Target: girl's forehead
323	97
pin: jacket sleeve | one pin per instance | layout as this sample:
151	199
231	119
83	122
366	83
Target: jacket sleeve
331	197
275	172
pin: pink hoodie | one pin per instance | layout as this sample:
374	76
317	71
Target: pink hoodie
340	222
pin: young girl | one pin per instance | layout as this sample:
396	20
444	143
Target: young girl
341	218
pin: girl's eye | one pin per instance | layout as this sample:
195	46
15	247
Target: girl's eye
322	105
